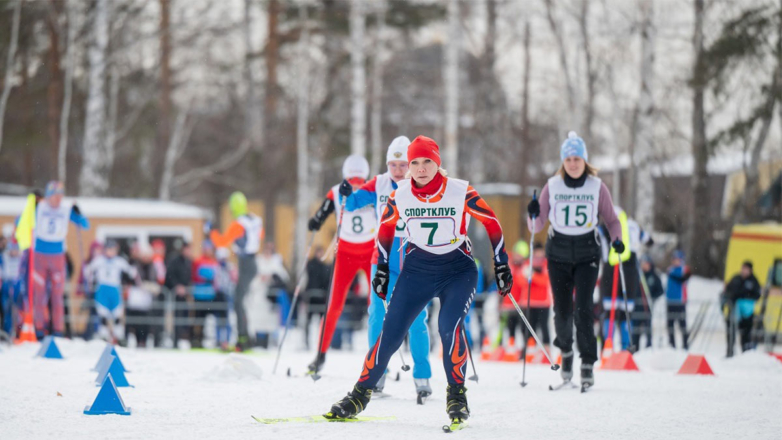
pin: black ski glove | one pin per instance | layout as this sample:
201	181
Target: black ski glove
618	246
314	224
533	209
345	189
503	277
380	282
76	209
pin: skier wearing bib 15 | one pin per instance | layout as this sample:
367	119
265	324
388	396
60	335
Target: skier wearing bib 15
356	244
376	192
438	263
573	200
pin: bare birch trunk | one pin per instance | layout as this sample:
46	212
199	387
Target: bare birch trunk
376	120
358	96
65	114
94	179
302	141
644	133
451	81
9	66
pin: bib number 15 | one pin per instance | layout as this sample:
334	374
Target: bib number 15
572	215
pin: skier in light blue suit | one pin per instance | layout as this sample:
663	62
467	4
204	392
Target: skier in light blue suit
376	192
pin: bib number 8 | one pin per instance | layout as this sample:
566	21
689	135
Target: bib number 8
358	225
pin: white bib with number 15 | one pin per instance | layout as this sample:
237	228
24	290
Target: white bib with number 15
573	211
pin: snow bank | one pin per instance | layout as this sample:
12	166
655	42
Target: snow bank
235	368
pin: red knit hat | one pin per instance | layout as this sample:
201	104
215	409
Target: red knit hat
423	146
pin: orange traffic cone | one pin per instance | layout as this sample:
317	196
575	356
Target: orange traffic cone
532	350
512	353
608	351
28	330
485	349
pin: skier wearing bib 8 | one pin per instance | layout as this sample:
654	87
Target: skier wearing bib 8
356	244
573	200
438	263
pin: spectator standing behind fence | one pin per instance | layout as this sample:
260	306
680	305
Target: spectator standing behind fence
315	293
540	296
141	294
741	293
208	299
11	287
508	315
274	277
159	264
226	282
106	272
676	298
655	287
86	290
178	278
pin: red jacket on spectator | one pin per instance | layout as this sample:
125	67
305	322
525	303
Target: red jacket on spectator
541	288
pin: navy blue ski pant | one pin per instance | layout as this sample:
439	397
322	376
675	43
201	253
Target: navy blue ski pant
452	278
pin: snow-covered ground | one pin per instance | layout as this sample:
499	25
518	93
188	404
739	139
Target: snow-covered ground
189	394
197	394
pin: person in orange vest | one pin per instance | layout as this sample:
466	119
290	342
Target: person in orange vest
246	234
540	296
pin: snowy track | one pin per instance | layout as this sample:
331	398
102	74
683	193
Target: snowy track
211	395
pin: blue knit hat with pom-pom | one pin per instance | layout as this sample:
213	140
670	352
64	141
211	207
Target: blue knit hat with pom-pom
573	146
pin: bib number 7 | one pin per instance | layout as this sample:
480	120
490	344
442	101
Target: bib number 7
433	227
432	231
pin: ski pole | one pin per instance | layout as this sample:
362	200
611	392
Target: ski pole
315	375
293	303
529	293
627	307
554	366
469	353
405	367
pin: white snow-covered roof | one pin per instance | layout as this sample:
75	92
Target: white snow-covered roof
723	163
500	189
94	207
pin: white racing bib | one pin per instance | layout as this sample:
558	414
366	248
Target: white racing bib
253	225
51	224
383	188
434	227
359	226
573	211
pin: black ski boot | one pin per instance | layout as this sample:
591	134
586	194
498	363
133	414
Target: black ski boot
243	344
587	377
567	366
456	404
317	364
355	402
